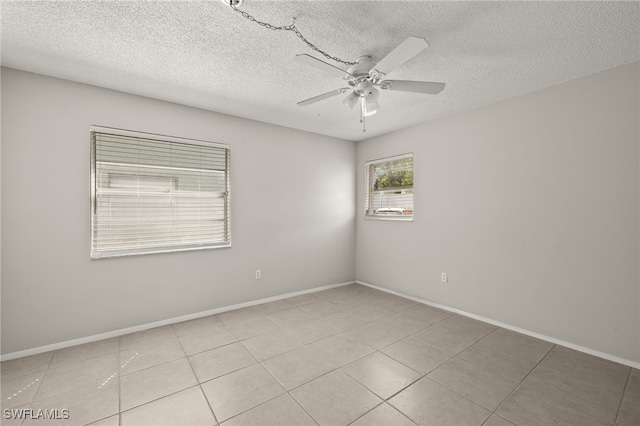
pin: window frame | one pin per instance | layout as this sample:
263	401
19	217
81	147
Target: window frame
226	195
369	182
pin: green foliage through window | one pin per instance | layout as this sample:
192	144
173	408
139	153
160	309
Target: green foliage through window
394	174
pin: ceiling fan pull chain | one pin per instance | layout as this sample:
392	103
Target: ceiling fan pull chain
291	27
362	115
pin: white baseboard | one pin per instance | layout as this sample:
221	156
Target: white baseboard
128	330
579	348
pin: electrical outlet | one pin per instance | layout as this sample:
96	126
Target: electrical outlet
444	277
258	274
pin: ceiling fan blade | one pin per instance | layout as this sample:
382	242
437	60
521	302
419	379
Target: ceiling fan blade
401	54
413	86
324	96
321	65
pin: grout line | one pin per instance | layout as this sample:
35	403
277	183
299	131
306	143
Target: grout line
198	384
119	383
303	409
366	412
529	333
522	381
624	391
333	369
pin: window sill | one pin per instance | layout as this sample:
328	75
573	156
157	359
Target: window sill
391	218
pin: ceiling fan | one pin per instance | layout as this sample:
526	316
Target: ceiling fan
365	76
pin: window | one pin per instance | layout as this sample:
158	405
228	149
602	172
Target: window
389	184
152	193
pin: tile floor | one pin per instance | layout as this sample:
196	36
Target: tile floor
346	356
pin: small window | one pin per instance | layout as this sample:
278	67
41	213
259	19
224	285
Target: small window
152	193
389	193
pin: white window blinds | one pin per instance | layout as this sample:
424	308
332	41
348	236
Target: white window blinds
152	193
389	188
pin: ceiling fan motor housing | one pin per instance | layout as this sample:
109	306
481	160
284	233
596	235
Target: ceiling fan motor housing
366	89
362	66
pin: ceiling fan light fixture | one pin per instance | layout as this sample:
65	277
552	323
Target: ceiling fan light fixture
351	100
232	2
370	108
371	94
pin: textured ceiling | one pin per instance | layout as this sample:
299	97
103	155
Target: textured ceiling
204	54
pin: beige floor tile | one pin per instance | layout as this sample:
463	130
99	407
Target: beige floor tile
344	320
427	314
371	313
155	382
335	399
150	354
272	307
240	391
241	314
492	357
347	301
109	421
478	384
588	368
20	390
429	403
340	349
290	316
388	302
329	294
197	325
454	334
204	340
633	384
518	344
297	367
528	407
416	355
269	345
407	323
320	308
337	376
187	407
363	292
83	352
303	299
246	329
378	334
25	365
381	374
217	362
383	415
66	378
85	404
142	337
593	399
282	410
496	420
312	331
629	414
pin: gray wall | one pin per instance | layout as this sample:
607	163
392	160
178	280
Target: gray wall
292	215
530	205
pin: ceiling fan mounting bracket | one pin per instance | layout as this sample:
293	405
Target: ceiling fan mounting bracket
361	67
